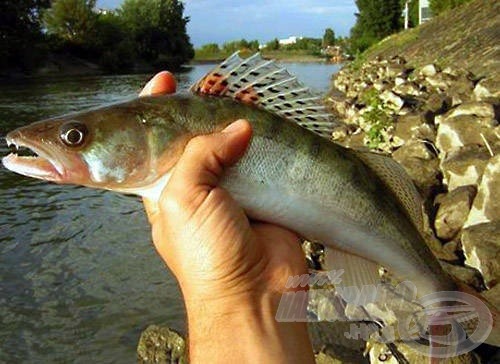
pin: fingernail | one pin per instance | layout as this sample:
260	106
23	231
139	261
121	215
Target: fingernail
233	127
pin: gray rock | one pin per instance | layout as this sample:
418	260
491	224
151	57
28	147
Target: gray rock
466	130
464	167
391	100
453	210
420	164
470	276
437	103
452	249
161	345
428	70
480	109
407	89
486	206
481	246
413	127
488	89
380	354
437	82
331	335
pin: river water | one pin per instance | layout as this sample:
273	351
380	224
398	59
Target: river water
79	278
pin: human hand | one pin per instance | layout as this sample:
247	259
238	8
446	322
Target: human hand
231	271
205	237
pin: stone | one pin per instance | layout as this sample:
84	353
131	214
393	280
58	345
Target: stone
481	247
437	103
332	335
437	82
452	249
488	89
413	126
460	90
464	167
492	295
453	209
456	132
379	353
420	164
407	89
391	100
486	206
355	140
480	109
161	345
470	276
428	70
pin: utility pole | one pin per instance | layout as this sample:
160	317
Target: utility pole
407	15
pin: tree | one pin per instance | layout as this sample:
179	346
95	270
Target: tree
273	45
71	20
159	30
376	20
20	34
328	38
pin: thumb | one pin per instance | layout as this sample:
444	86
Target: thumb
205	158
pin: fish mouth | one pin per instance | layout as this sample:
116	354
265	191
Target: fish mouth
32	160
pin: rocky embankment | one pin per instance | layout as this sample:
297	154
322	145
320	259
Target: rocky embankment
442	127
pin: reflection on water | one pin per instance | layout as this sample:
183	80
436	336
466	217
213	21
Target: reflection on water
79	278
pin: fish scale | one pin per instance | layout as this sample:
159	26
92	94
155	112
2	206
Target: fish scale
361	204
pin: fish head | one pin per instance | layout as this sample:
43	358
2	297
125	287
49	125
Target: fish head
103	148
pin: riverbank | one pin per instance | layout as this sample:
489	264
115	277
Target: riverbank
430	98
281	56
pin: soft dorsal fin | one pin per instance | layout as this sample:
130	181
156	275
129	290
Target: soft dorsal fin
267	85
398	181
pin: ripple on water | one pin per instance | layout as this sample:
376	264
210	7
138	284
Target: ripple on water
79	278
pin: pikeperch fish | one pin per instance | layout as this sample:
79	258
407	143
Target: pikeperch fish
360	203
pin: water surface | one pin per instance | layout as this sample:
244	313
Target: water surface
79	278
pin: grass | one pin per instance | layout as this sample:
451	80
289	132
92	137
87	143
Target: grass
377	117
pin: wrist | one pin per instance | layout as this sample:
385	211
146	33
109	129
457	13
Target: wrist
247	328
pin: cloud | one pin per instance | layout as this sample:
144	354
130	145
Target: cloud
223	20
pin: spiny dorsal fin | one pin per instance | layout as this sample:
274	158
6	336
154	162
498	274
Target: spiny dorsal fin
397	180
265	84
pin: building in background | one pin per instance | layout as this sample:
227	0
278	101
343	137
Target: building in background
289	40
424	11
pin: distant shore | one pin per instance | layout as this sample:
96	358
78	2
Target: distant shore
285	57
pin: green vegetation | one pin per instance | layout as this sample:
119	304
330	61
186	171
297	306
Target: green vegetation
328	38
149	33
302	49
376	20
438	6
377	118
20	33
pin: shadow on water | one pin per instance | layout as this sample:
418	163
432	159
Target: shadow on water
79	278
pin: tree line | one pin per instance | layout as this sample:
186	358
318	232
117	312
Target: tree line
304	45
377	19
146	32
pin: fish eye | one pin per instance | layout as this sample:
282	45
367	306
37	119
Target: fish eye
73	133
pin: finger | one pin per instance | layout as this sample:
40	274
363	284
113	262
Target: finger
162	83
206	157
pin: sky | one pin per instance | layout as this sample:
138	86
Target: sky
218	21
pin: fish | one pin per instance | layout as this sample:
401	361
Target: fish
361	205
